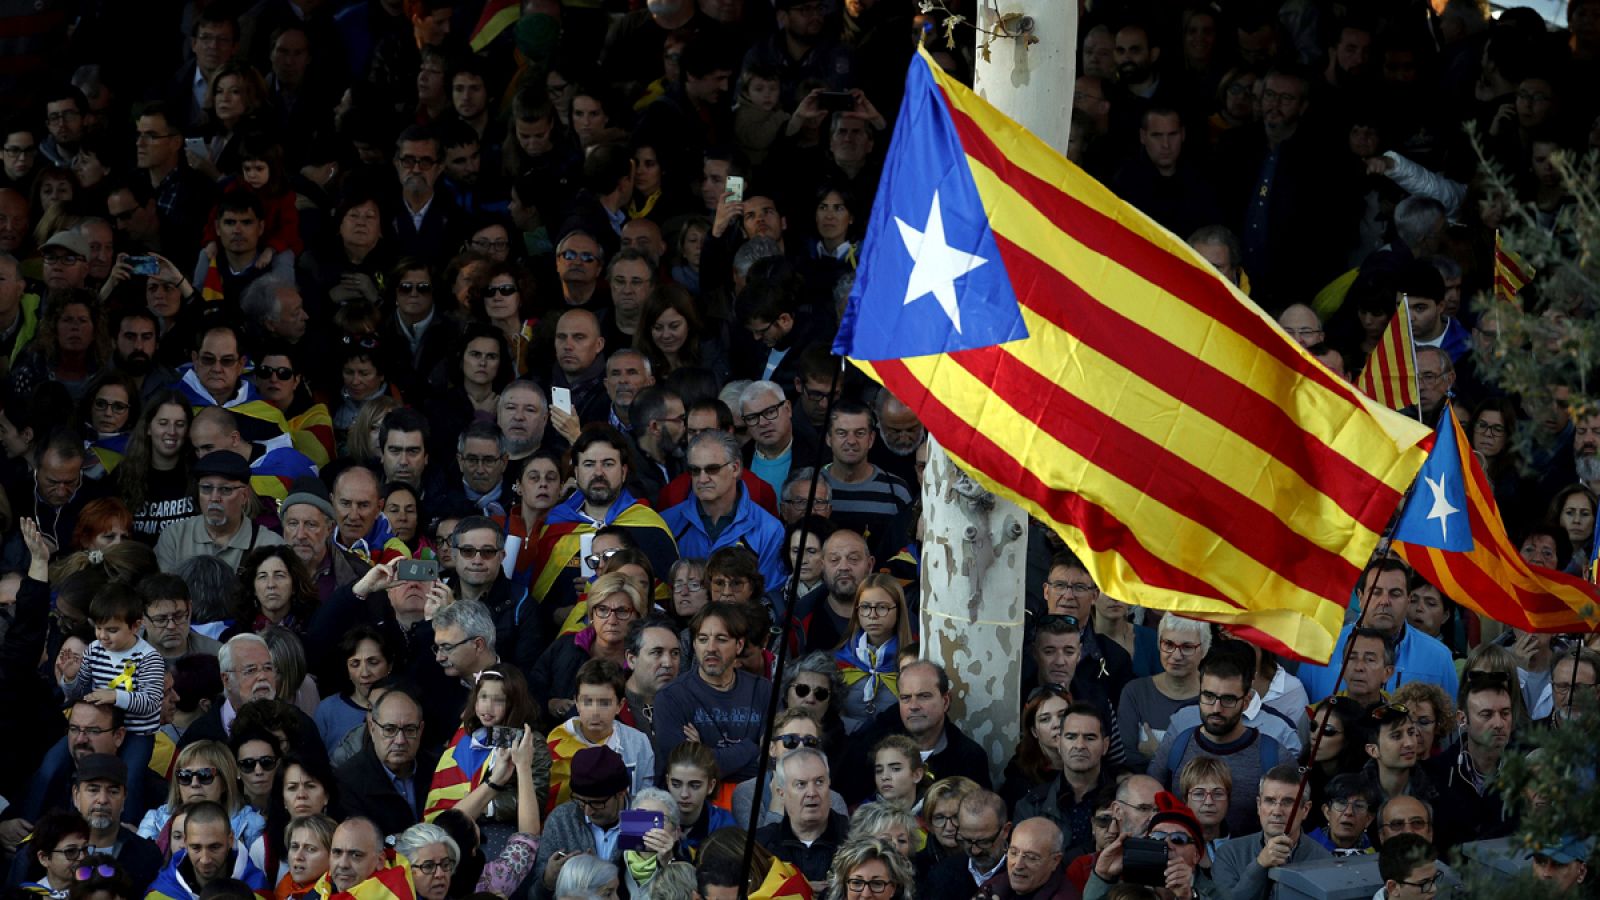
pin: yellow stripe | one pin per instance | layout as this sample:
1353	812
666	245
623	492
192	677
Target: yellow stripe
1321	413
1164	532
502	20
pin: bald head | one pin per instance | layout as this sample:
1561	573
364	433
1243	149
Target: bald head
354	853
1301	323
213	429
1137	803
578	341
845	564
1036	846
355	502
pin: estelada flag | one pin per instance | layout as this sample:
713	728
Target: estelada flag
1511	274
1450	531
1390	375
1077	358
783	882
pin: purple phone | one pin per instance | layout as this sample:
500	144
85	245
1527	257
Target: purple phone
635	823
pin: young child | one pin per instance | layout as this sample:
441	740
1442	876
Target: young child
499	699
122	669
601	690
758	119
261	172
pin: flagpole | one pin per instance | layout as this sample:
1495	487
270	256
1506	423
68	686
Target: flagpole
1379	552
791	597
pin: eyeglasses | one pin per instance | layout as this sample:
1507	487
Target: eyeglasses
473	461
873	886
255	670
941	821
390	732
1104	820
275	373
800	502
594	560
149	137
601	613
14	151
1175	838
1178	649
78	852
84	873
1427	887
1416	823
1302	332
1226	701
713	470
445	649
590	805
1563	689
443	867
62	259
1489	428
211	361
1143	809
687	587
263	763
470	552
1075	587
723	583
770	414
805	690
416	287
484	245
420	163
1345	805
203	777
586	256
791	741
169	620
221	490
982	845
875	610
80	731
1202	795
504	290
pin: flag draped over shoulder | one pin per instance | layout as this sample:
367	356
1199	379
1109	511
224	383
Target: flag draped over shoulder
1452	534
1080	360
1390	375
461	769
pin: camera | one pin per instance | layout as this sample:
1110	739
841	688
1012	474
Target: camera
1144	861
503	737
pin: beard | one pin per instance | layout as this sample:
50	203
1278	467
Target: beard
138	364
1588	469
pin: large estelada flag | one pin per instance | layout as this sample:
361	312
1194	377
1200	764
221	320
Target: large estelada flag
1390	375
1450	531
1082	361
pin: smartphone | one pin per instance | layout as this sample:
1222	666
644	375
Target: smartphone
198	147
836	101
144	265
561	398
735	189
503	736
417	569
635	824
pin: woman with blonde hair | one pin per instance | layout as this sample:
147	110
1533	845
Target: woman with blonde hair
870	868
1432	711
941	808
613	604
205	770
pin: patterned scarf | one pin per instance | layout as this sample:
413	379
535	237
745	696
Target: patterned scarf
860	661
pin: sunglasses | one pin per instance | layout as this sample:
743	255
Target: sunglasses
416	287
1175	838
264	763
806	690
1390	711
1330	731
586	256
791	741
504	290
187	777
84	873
1060	619
276	373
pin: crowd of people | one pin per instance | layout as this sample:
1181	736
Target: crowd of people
423	441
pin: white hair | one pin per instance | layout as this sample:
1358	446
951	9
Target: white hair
1177	624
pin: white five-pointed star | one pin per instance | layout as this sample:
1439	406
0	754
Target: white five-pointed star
1441	509
935	264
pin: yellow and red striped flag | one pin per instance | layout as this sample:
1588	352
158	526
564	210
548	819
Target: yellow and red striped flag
498	15
782	882
1390	375
1511	274
1482	570
1079	359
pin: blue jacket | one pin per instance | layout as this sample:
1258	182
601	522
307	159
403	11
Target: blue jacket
173	881
1420	658
752	526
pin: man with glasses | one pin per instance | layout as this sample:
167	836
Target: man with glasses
590	821
1033	865
775	448
797	497
1069	591
248	675
721	513
1573	676
600	465
1470	807
1175	825
91	730
1405	815
167	622
479	550
1350	806
811	832
700	417
66	261
423	219
1409	868
387	781
1242	863
1385	599
19	154
414	330
183	196
463	640
274	466
866	499
1226	674
983	832
481	459
1395	747
222	528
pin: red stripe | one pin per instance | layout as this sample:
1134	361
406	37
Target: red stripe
1101	234
1199	385
1157	472
1102	530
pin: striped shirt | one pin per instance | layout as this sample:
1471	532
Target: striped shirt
879	509
138	674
